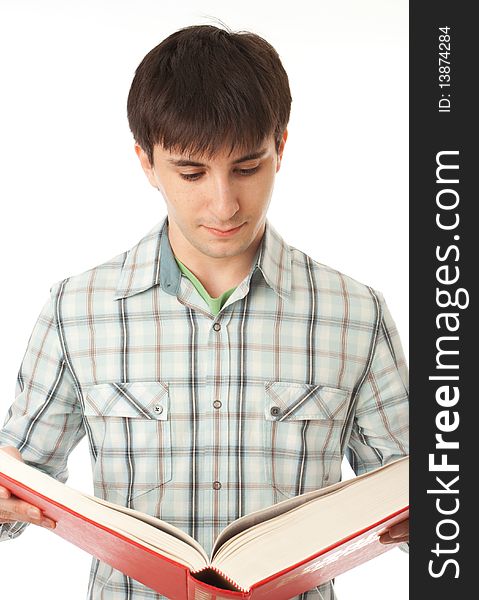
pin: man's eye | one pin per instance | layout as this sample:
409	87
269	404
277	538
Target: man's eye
248	171
191	176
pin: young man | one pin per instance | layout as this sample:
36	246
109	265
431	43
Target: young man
214	369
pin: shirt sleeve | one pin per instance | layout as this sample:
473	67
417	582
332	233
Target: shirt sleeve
45	421
380	431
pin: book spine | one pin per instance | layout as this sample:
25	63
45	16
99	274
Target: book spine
212	584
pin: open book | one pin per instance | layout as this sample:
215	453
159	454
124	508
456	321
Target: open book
275	553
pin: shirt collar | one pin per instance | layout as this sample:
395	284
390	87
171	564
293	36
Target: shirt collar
151	262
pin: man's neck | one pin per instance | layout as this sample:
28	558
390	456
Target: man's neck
217	275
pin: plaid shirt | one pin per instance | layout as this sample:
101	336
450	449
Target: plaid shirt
200	418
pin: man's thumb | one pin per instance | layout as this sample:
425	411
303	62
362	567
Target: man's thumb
12	451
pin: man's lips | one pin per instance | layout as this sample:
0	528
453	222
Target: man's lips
224	232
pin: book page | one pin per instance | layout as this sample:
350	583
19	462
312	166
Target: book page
270	512
148	531
156	523
305	530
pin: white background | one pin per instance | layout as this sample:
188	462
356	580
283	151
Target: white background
73	194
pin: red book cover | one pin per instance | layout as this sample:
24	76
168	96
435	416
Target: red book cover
175	581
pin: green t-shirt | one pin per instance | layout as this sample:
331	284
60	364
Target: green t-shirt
215	304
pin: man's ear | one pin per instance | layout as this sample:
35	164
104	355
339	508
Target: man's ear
281	149
146	165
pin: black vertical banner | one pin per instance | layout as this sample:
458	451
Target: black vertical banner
444	362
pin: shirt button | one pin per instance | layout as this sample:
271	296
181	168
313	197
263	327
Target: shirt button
217	326
275	410
217	403
158	409
216	485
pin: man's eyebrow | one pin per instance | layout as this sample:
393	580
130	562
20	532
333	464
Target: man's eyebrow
181	162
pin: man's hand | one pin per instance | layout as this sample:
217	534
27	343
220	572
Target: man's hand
13	509
396	533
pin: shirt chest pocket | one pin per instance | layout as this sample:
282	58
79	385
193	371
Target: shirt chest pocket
131	431
302	435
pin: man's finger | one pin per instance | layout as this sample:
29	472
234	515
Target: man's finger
12	451
4	493
18	510
386	538
400	529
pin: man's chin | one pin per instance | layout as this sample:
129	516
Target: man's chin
222	252
223	248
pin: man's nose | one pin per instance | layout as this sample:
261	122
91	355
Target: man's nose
224	201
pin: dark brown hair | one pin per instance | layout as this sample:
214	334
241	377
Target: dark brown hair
204	88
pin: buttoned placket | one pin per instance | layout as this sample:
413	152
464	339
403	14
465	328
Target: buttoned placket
214	427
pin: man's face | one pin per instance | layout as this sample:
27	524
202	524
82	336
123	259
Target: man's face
206	198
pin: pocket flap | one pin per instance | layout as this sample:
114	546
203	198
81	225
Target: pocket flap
291	401
140	399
